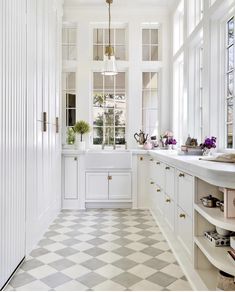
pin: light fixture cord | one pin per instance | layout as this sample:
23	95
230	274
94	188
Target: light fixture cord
109	24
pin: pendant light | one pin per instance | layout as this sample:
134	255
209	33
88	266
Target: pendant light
109	66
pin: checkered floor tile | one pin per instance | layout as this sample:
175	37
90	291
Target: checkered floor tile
101	250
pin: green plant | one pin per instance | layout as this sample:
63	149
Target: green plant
81	128
70	136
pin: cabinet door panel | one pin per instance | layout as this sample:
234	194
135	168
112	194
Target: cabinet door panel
169	211
160	173
170	181
97	186
119	186
70	178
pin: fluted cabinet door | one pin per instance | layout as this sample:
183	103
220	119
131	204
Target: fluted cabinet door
12	135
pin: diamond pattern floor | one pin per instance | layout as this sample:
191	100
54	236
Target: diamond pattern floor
101	250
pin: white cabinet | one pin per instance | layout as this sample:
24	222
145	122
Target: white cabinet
160	173
97	186
170	181
169	211
108	186
119	186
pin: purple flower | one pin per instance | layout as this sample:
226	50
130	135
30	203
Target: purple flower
209	143
171	141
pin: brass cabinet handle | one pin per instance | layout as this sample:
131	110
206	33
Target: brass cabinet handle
141	158
151	159
168	200
182	216
158	163
167	168
158	190
181	175
75	158
152	183
109	177
44	121
57	125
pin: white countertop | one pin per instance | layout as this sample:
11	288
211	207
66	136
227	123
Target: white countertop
216	173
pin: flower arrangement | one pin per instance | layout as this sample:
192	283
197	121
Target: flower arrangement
209	143
171	141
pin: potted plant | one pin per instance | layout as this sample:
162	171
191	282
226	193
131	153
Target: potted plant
208	145
171	142
81	128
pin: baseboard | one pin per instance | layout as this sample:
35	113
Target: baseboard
108	205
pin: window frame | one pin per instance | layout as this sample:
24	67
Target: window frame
69	45
150	45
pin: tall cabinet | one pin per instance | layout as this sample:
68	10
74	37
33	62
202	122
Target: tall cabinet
30	163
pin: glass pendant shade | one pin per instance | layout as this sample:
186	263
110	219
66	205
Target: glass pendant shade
109	66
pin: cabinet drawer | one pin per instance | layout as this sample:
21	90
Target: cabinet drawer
160	173
169	211
160	199
185	191
170	181
151	168
185	230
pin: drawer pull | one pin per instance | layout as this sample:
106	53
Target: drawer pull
181	175
152	183
109	177
141	158
158	190
167	168
158	163
168	200
151	159
182	216
75	158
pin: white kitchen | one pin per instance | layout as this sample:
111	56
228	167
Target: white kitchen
117	148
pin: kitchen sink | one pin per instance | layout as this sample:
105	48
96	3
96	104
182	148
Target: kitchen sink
108	159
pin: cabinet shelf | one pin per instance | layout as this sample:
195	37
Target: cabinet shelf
215	217
217	256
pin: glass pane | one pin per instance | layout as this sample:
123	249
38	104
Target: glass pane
146	99
109	83
120	36
109	136
98	53
120	101
154	80
230	84
146	53
64	35
231	31
71	82
120	136
120	53
98	36
154	53
98	81
230	58
109	100
120	81
120	118
71	100
71	117
97	136
98	99
145	36
106	36
72	35
229	110
146	80
72	53
154	36
109	117
230	136
98	119
65	52
153	118
154	99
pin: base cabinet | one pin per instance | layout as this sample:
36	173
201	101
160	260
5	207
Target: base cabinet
108	186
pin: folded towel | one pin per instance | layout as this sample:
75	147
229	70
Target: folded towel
228	158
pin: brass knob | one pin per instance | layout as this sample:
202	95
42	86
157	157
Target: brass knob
75	158
168	200
167	168
182	216
151	159
158	163
158	190
109	177
152	183
181	175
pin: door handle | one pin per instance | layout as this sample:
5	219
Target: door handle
181	175
57	125
44	121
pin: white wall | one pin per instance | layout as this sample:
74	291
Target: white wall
133	17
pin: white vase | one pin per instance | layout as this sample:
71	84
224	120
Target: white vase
80	145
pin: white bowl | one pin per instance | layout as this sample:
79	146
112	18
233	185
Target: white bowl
222	231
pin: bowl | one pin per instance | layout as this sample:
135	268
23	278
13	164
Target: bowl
222	232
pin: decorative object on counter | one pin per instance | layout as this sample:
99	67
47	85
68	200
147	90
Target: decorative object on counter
209	201
223	232
148	145
164	138
80	129
216	240
192	142
220	204
208	145
227	158
226	282
141	138
171	142
154	141
70	136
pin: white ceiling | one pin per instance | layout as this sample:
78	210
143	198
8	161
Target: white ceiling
164	3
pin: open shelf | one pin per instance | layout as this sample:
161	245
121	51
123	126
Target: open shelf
217	256
216	217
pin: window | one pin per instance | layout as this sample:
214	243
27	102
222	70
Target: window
230	84
179	26
101	40
150	103
195	13
109	109
212	2
69	43
69	98
199	92
150	41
